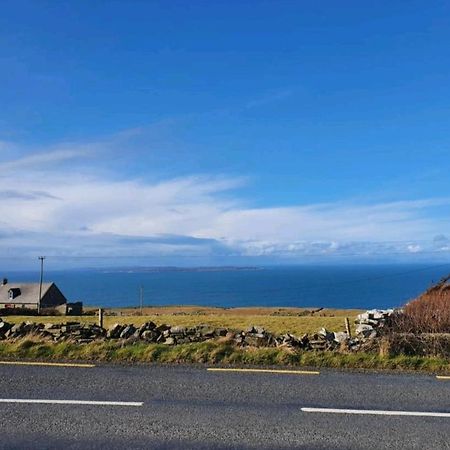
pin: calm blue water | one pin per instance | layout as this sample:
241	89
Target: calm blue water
330	287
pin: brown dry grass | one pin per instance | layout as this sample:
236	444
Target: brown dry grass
430	313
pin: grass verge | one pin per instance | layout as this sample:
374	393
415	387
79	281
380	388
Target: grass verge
215	353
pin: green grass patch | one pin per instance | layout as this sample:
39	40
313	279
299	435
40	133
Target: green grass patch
214	353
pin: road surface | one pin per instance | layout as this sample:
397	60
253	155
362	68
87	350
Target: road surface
110	406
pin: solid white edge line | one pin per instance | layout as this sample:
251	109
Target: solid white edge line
69	402
375	412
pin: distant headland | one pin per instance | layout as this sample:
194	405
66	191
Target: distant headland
180	269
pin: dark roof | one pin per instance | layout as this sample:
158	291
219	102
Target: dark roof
29	292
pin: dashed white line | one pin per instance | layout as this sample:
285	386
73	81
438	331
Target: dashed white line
45	364
277	371
69	402
376	412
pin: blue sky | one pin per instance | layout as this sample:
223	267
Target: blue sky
224	132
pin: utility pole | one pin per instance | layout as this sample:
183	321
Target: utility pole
141	298
41	258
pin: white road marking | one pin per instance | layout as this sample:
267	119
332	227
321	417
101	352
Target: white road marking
282	371
41	363
69	402
376	412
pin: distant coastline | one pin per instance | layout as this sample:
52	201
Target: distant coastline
180	269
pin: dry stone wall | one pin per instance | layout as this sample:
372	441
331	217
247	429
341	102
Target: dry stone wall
368	327
370	323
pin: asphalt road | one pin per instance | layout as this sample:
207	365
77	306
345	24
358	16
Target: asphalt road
184	407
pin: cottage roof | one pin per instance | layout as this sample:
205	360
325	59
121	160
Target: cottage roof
29	292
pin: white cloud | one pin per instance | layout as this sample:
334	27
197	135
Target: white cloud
71	209
341	221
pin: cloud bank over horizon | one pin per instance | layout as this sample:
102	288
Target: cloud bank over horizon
67	203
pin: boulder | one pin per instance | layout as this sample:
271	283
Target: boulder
257	340
340	337
137	334
220	332
149	325
318	344
325	334
4	327
205	331
366	331
161	328
17	329
114	331
192	331
150	335
177	331
127	332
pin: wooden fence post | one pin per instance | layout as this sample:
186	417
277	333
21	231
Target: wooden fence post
100	317
347	328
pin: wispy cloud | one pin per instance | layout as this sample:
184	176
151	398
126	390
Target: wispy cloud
89	212
23	195
39	159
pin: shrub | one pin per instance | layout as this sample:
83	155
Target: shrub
423	344
430	313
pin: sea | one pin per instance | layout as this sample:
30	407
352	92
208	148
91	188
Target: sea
349	286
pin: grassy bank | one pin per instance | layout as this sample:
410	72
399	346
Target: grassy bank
214	353
276	320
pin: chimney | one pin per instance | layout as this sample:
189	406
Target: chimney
4	281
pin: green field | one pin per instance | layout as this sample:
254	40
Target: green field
276	320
